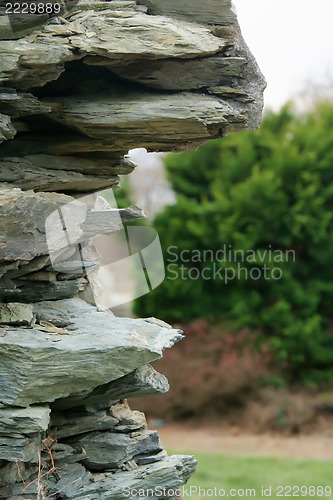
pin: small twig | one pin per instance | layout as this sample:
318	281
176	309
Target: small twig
62	489
39	478
52	469
19	472
48	443
39	470
41	493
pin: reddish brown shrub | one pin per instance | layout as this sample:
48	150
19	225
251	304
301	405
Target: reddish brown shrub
210	371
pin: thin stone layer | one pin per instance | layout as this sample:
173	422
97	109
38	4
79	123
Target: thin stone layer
37	366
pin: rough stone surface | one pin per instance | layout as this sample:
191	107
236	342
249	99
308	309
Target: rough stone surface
20	448
165	45
214	11
26	212
35	230
72	424
16	314
77	92
109	450
7	131
148	120
182	75
11	473
17	104
136	34
26	175
24	421
169	473
36	366
25	64
142	382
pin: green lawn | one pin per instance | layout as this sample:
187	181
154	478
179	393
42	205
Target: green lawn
242	473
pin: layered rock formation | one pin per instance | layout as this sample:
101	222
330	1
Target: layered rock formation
77	92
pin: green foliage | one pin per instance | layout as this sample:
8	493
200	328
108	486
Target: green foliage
268	190
123	194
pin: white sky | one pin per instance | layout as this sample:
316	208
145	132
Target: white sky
292	41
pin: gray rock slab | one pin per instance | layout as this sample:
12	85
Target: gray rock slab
63	164
7	130
11	472
118	418
17	104
149	459
20	448
75	423
33	62
176	74
136	34
142	382
4	268
73	478
212	12
34	291
27	213
36	142
154	121
21	173
109	450
52	312
37	367
169	474
21	268
253	85
64	453
6	30
117	35
24	421
16	314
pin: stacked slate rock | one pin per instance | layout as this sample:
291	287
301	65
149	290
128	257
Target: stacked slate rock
77	92
63	402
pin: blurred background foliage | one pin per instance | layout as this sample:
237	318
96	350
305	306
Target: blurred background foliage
251	191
